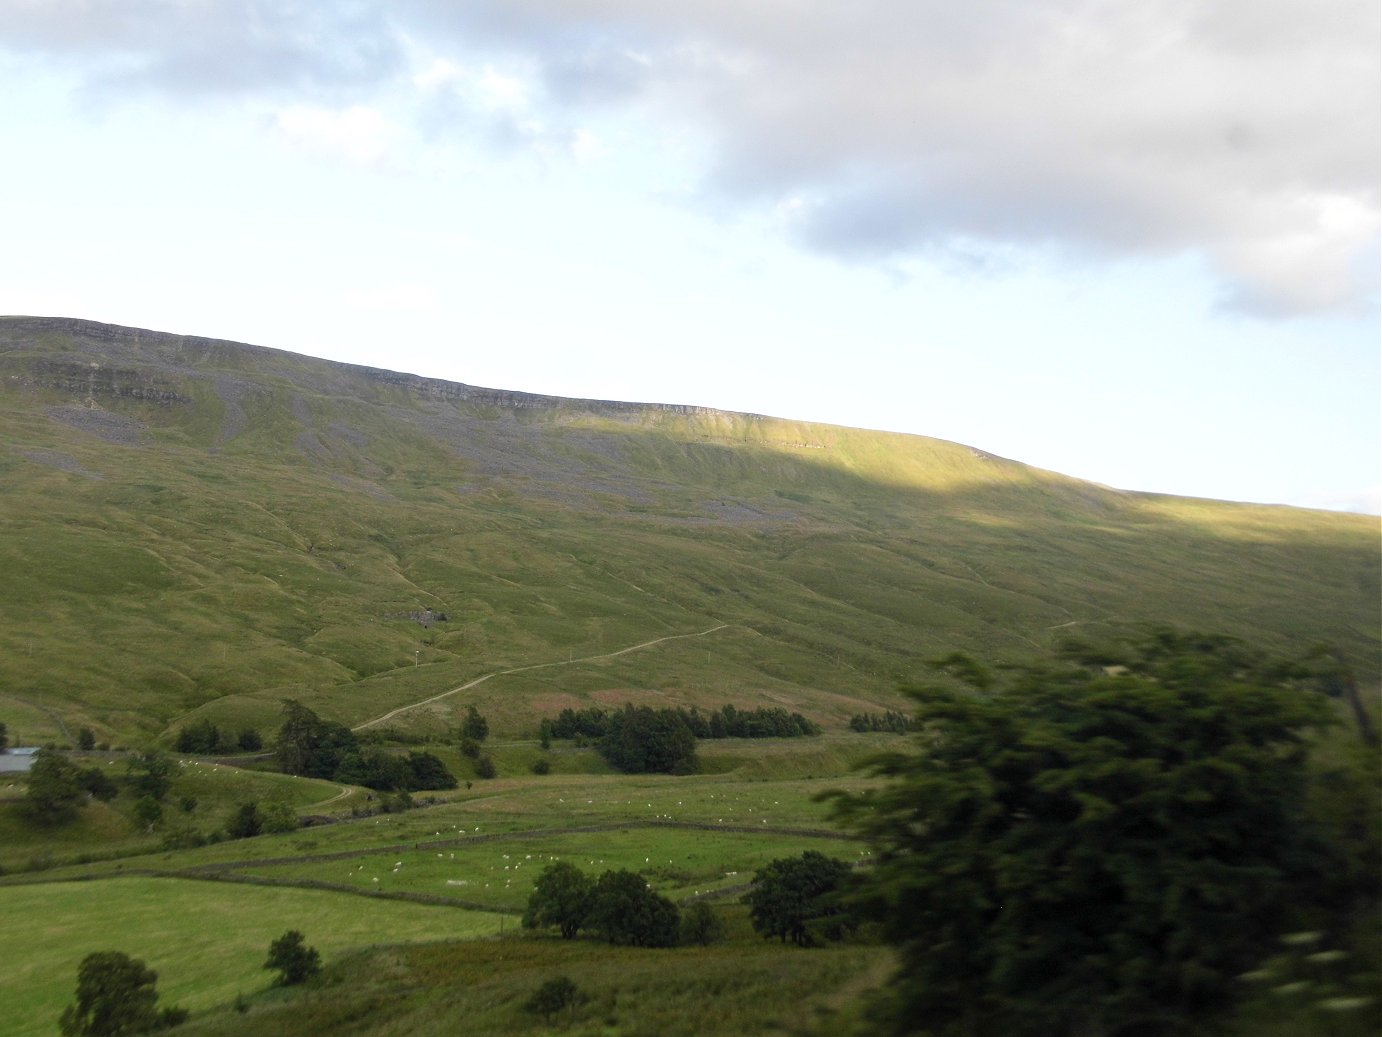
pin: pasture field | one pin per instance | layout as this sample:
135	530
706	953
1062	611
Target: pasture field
477	848
498	873
744	986
206	941
203	797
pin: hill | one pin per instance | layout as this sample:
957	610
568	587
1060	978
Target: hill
193	527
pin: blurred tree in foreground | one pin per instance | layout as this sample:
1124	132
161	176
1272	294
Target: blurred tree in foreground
1095	847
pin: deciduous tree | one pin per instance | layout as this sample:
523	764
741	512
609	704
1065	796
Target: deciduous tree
116	995
796	898
561	897
54	791
1091	848
292	959
623	910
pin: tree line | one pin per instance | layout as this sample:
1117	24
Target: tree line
726	722
311	747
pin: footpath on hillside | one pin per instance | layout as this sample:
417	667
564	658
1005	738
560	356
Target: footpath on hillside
533	666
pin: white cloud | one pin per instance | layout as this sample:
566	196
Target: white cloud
359	134
1242	130
1245	131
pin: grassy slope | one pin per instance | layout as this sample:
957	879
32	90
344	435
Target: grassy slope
197	528
206	942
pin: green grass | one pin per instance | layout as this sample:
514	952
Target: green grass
206	941
678	862
267	533
210	565
744	987
110	829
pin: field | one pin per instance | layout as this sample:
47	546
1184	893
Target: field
206	941
459	869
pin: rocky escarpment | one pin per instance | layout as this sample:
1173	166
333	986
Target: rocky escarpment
140	364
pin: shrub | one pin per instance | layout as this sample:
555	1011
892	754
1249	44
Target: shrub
292	959
555	994
561	897
701	925
116	995
625	911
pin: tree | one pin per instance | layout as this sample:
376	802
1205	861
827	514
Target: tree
152	773
54	791
310	746
148	811
474	726
200	737
701	925
796	898
623	910
278	816
250	740
1090	848
116	995
374	769
561	897
86	739
485	767
292	959
97	783
4	737
427	772
246	823
555	994
640	739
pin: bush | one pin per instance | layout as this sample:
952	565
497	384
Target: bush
625	911
148	811
561	897
796	898
1103	845
701	925
555	994
202	737
116	995
485	768
640	740
54	791
542	766
475	726
246	823
292	959
278	817
97	783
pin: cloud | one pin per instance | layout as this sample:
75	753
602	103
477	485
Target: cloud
359	134
208	47
1245	131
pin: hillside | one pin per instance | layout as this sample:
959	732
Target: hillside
192	527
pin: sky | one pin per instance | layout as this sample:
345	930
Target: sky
1134	243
